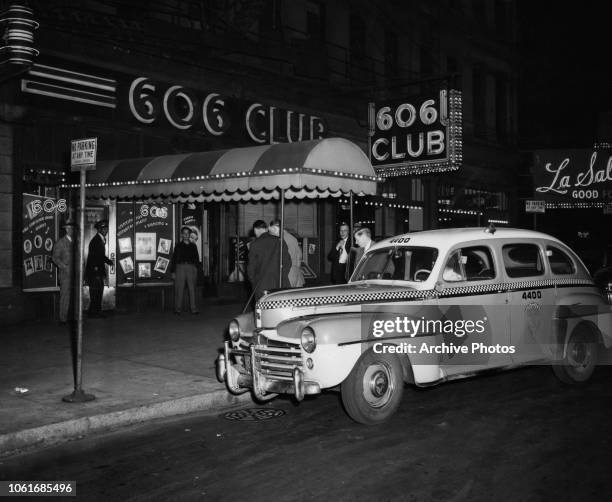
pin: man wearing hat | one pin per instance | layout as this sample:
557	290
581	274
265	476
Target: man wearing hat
63	257
95	270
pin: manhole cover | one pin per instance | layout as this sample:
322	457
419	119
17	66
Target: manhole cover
254	414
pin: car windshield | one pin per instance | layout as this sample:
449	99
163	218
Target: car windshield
397	264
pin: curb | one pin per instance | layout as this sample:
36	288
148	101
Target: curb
53	434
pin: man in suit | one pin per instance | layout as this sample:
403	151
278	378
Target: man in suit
63	257
264	261
339	257
95	270
363	238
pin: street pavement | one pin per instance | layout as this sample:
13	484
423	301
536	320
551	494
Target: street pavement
138	366
518	435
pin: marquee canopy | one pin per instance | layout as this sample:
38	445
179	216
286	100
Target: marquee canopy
307	169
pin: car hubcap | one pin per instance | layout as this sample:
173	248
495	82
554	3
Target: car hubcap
377	385
580	355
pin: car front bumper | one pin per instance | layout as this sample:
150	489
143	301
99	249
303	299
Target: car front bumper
240	378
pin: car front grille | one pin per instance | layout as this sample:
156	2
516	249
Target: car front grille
276	360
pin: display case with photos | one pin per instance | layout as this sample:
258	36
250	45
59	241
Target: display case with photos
145	242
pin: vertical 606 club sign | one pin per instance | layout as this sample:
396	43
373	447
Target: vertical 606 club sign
416	136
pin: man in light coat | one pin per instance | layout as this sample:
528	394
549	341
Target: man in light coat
296	276
63	257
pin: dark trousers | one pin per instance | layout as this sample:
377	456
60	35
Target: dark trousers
186	274
96	289
338	273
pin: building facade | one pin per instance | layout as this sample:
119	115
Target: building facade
163	77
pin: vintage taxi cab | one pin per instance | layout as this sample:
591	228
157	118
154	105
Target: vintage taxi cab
423	308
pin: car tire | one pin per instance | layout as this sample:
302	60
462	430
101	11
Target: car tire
373	390
580	358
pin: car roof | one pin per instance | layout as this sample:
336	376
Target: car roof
447	237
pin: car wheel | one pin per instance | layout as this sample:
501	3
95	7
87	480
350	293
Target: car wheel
373	390
580	358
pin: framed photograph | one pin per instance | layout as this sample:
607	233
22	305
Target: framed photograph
48	243
39	264
164	247
161	265
125	245
144	270
27	246
28	266
145	247
48	263
127	265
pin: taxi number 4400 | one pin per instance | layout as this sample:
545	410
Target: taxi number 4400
532	295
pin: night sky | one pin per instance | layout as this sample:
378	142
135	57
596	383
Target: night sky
566	72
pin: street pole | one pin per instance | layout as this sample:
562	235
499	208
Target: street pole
281	236
78	396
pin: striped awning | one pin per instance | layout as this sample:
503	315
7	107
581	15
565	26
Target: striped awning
307	169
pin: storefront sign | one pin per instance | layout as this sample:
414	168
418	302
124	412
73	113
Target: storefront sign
416	136
535	206
170	105
212	114
39	233
83	153
573	178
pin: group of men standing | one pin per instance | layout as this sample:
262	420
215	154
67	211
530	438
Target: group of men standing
95	268
263	267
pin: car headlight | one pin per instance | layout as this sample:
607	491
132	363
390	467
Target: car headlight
309	339
234	330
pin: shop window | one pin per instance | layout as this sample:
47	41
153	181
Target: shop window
522	260
560	263
417	190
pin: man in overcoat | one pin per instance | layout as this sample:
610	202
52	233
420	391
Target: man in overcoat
264	261
63	257
95	270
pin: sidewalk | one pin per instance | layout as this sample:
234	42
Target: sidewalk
138	366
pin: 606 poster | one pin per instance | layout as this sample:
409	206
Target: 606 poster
39	234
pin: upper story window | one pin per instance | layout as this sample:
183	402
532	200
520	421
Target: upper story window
479	99
357	36
391	54
315	20
522	260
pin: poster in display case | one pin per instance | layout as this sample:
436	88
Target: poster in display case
145	241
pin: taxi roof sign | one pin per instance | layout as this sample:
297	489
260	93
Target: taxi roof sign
83	154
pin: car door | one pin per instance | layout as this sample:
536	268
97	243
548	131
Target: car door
470	291
531	299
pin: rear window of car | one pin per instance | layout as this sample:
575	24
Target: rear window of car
469	264
522	260
560	262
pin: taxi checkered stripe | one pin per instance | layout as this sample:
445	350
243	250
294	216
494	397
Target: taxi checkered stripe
424	294
352	298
